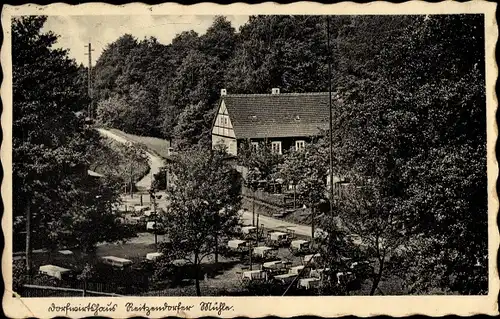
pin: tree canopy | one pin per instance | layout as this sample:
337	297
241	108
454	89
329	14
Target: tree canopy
204	201
51	146
411	132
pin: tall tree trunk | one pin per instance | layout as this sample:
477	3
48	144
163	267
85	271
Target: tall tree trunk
312	222
253	208
294	196
197	274
257	234
250	254
131	182
216	248
29	248
377	277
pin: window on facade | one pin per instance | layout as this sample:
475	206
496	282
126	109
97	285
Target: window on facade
276	147
255	146
300	145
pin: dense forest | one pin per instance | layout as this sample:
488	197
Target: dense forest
170	91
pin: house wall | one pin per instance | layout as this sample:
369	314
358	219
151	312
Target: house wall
287	143
222	125
222	131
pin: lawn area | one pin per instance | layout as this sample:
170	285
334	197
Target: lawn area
157	145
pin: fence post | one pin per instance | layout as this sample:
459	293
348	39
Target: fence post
84	291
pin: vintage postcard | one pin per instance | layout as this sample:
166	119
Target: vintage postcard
249	160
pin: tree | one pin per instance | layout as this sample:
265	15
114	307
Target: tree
111	65
306	170
219	41
262	166
204	201
50	143
261	160
282	51
90	220
43	126
337	252
86	274
411	134
376	220
130	79
191	127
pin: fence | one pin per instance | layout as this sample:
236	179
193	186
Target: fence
278	200
50	291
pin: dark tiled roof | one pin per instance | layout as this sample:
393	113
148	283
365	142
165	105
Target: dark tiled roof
277	115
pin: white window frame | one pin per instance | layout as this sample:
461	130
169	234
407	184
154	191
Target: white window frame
300	145
276	147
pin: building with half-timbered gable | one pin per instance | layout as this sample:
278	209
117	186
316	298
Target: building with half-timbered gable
284	120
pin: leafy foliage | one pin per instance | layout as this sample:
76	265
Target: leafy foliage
419	150
262	163
118	161
205	199
51	146
307	170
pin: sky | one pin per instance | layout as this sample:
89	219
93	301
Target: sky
77	31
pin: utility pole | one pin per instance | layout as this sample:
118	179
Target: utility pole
29	248
90	108
330	109
257	234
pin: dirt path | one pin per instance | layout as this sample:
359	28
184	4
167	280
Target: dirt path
155	162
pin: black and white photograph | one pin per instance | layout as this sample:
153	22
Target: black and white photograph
255	155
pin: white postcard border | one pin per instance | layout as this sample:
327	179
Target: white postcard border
259	306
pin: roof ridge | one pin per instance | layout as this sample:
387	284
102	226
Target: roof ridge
270	94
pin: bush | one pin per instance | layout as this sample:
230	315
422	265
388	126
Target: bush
18	276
